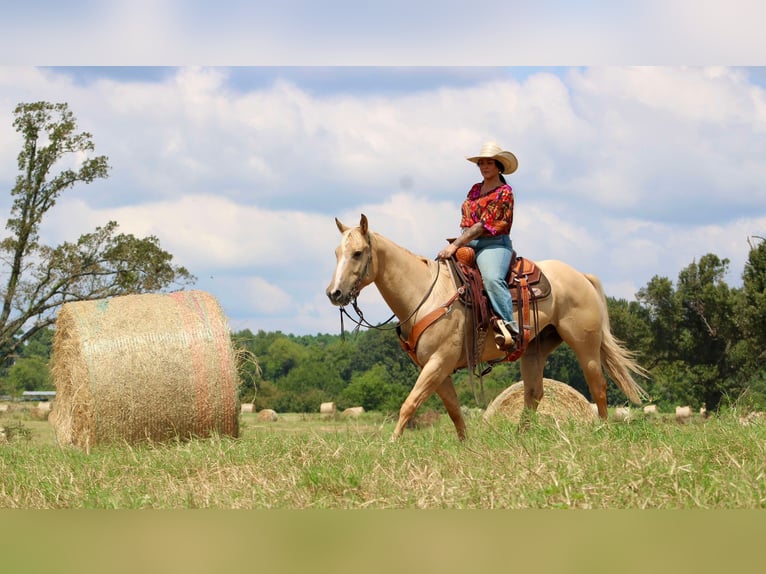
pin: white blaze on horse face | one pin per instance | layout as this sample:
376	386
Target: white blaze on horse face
347	269
343	259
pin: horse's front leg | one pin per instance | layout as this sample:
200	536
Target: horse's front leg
431	377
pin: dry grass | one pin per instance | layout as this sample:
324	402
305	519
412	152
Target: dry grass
305	461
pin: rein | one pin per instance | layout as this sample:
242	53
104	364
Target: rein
362	322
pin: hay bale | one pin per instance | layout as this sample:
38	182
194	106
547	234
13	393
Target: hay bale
39	413
143	367
268	415
683	414
353	412
560	401
5	408
327	409
651	410
247	408
754	417
424	420
623	414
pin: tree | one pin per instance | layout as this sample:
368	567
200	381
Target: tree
27	374
663	314
752	307
374	390
750	310
693	335
104	263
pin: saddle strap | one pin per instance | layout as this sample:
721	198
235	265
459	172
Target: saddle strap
523	339
411	343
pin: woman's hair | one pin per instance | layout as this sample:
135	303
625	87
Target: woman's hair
501	167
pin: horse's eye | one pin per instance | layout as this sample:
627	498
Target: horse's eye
357	254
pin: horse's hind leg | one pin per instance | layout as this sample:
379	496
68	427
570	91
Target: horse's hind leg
532	368
588	352
590	363
448	395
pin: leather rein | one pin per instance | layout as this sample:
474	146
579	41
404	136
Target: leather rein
410	344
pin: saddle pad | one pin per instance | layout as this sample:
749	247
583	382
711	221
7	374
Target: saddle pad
539	285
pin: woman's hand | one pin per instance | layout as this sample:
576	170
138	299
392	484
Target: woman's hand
448	251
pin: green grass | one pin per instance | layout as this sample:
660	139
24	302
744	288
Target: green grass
304	461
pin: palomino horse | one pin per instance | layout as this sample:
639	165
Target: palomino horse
413	286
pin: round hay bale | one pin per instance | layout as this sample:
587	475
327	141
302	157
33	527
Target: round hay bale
683	414
651	410
268	415
143	367
327	409
560	401
39	413
623	414
353	412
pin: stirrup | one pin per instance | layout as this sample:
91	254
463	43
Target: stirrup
504	338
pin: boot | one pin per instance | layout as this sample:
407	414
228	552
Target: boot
505	335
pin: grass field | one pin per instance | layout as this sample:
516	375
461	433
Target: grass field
305	461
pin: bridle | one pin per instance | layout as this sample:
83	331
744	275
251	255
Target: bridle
356	289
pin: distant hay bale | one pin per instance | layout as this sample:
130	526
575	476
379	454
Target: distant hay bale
5	408
683	414
268	415
353	412
143	367
327	409
623	414
651	410
754	417
423	420
39	413
560	401
247	408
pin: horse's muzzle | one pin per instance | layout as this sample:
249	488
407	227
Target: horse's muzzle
337	297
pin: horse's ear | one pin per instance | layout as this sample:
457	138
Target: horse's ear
363	224
341	227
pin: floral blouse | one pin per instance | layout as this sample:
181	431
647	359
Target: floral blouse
494	210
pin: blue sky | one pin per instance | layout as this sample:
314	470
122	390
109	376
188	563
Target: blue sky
634	160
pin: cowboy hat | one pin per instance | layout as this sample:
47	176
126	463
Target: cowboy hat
493	151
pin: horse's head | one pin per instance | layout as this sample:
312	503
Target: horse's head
353	263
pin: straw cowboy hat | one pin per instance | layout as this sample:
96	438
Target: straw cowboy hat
493	151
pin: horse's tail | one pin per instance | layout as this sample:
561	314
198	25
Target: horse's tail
618	361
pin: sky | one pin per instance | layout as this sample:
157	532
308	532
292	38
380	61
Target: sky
236	133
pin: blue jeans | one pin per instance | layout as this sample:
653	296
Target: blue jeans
493	257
